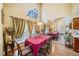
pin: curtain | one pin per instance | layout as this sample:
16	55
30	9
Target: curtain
33	31
47	26
30	26
44	27
18	26
36	28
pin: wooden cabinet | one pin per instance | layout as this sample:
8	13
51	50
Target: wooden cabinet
76	23
76	44
76	39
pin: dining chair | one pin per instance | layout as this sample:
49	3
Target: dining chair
8	42
48	46
46	49
24	50
42	51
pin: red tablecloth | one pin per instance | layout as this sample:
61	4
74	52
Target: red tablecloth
53	33
37	42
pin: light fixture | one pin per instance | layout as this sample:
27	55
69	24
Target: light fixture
39	23
53	26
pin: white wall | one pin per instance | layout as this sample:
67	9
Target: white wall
61	23
53	10
1	37
75	9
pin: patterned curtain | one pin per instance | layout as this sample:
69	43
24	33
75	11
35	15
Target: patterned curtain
37	28
30	25
18	26
44	27
47	27
33	31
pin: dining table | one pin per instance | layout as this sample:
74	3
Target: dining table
37	42
53	34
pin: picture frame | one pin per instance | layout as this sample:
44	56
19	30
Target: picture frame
2	16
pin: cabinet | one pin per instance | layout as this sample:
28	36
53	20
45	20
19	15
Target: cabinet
76	23
76	44
76	37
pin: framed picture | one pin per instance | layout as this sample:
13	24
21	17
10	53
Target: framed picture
33	13
2	16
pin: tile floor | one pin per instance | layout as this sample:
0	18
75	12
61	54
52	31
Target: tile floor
60	50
